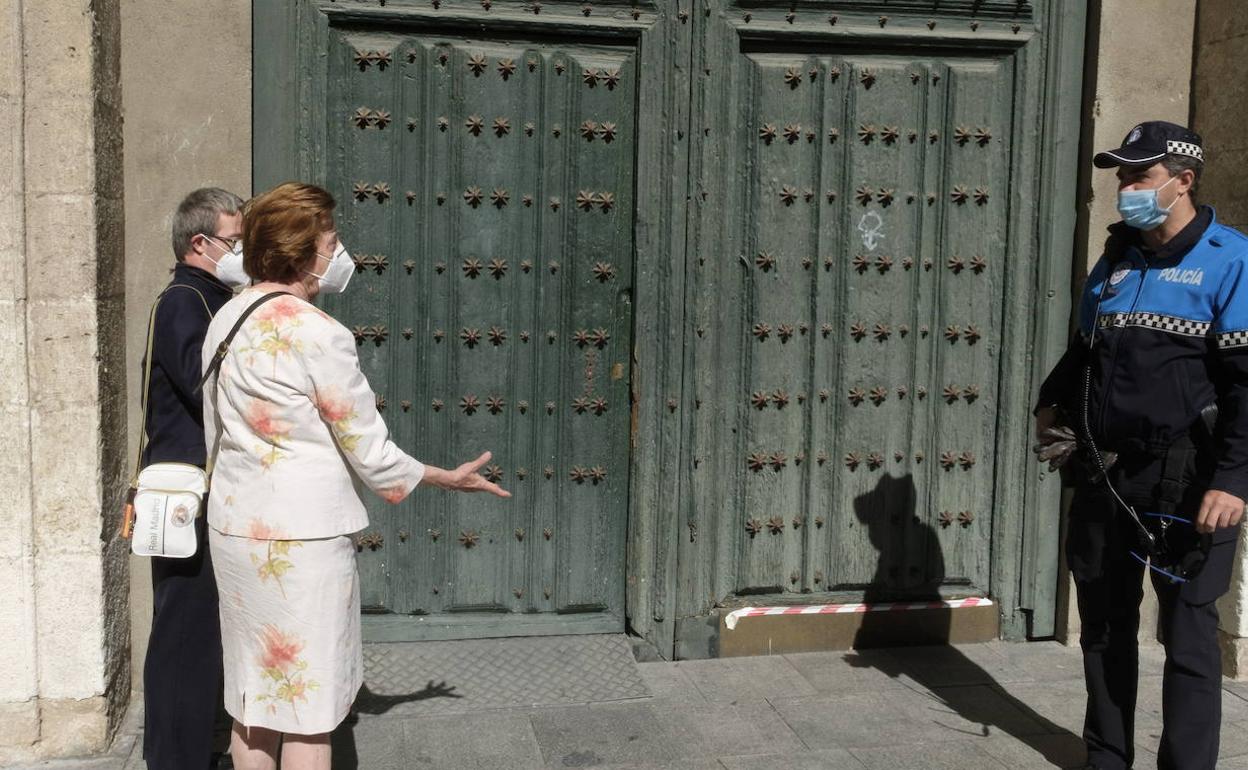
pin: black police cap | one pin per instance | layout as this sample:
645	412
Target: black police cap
1149	142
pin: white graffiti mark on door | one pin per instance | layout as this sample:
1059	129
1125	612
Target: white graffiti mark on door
872	228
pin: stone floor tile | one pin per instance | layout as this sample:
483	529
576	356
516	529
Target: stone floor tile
986	710
738	680
847	670
829	759
1037	752
601	735
931	667
480	741
670	683
722	729
852	720
948	755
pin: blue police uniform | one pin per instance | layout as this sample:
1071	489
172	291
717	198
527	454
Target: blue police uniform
1170	331
182	674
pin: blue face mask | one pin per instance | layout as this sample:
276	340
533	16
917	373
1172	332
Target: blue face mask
1140	209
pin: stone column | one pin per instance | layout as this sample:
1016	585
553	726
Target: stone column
64	674
1219	113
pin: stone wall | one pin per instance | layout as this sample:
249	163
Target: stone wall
63	672
1219	114
188	125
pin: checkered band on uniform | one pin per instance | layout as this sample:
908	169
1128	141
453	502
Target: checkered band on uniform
1165	323
1233	339
1185	148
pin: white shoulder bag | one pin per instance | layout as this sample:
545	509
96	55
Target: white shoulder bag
166	498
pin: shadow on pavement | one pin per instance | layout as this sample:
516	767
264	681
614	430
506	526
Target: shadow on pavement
911	567
346	755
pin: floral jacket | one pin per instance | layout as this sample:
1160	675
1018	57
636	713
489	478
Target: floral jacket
294	426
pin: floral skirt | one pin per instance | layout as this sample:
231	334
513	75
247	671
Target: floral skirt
290	630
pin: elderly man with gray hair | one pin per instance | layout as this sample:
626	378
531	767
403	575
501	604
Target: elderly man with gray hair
182	675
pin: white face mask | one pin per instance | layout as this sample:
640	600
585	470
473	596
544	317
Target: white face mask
230	266
338	274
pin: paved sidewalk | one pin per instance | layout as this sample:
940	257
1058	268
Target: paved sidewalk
994	705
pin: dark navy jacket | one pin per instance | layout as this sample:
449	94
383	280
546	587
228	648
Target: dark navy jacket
1171	337
175	414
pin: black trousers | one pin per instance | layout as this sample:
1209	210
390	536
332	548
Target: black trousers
182	676
1109	583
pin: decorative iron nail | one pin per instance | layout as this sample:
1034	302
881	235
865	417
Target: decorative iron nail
468	538
611	78
974	25
469	404
808	194
493	473
885	196
864	194
607	132
603	271
372	541
920	456
857	395
578	474
945	518
598	474
948	459
955	263
522	473
363	117
807	262
560	67
598	405
381	403
756	461
506	68
875	460
793	77
788	194
890	134
866	132
552	335
818	576
883	263
762	331
438	404
973	334
970	393
825	330
554	204
780	398
746	17
477	64
363	59
853	460
600	338
498	267
548	471
965	518
548	533
753	526
967	460
473	196
589	129
411	197
962	135
951	393
581	337
792	132
882	331
907	262
580	404
500	197
867	78
902	391
785	332
497	336
1015	28
953	332
879	395
922	391
408	332
556	132
983	136
898	456
502	127
589	77
775	525
362	191
406	405
981	195
472	267
587	9
858	331
861	262
833	135
959	194
927	264
760	399
765	261
438	335
671	405
441	198
767	132
585	200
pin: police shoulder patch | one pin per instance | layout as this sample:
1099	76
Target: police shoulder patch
1119	274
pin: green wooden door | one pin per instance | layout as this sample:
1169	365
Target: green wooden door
486	165
748	296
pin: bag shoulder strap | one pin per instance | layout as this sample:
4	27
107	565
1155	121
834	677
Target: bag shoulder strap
224	347
147	368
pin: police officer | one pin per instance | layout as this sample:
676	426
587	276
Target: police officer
1153	392
182	674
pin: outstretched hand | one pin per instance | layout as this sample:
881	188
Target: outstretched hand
1218	510
465	478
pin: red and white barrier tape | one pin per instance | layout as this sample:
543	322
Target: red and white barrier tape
836	609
